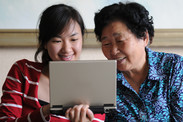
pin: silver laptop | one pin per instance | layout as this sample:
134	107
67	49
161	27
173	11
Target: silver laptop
93	81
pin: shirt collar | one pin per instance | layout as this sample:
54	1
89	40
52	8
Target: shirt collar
153	75
153	59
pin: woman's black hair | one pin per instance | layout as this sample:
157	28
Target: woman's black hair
134	15
52	22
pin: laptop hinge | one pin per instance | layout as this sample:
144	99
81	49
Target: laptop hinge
107	108
56	109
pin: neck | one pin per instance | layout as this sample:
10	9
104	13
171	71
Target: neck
136	77
45	70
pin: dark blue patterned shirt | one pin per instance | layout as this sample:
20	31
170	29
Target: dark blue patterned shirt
160	96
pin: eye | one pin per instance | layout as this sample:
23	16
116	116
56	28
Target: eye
106	44
74	40
120	40
56	41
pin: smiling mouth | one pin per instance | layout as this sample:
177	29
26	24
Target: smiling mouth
66	58
121	59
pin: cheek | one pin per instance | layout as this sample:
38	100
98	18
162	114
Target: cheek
133	53
78	50
106	52
78	47
52	50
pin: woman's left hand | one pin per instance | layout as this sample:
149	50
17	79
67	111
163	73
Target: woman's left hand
80	113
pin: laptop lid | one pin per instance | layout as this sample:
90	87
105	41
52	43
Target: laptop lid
93	81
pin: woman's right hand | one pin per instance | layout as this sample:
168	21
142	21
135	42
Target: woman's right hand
80	113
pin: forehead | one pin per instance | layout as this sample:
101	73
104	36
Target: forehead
115	29
70	28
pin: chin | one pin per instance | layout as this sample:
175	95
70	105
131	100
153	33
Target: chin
122	69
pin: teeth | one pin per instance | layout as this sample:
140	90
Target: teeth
66	57
120	58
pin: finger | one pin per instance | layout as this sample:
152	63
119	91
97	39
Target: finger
67	113
77	110
71	114
90	114
83	113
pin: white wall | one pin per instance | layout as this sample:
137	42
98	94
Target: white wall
24	14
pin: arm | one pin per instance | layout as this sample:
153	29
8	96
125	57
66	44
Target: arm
176	92
11	101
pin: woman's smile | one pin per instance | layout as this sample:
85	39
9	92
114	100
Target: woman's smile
66	58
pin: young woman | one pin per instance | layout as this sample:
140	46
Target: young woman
26	89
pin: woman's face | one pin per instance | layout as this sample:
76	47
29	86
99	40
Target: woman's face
66	46
119	43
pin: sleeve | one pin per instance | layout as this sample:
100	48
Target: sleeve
11	101
99	118
176	92
114	116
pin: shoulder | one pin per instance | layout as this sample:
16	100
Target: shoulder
26	61
26	65
163	59
170	59
164	65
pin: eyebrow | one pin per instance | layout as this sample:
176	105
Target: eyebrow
73	34
116	34
58	36
103	38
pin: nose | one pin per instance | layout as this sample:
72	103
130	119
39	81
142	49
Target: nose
66	47
114	49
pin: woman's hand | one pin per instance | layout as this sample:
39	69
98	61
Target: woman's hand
80	113
46	110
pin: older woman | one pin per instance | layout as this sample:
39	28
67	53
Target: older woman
150	84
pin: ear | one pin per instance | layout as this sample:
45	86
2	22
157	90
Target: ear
146	39
45	46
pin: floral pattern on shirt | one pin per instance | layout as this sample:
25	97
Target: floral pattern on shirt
160	97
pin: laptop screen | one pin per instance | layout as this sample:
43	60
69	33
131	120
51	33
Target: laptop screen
91	81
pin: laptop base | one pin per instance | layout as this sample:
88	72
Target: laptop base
108	108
